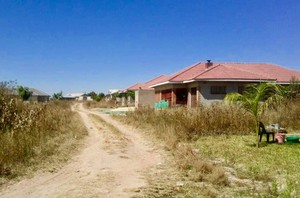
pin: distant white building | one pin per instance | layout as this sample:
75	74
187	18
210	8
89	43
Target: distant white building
77	96
113	91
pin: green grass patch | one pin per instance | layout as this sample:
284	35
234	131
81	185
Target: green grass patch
277	164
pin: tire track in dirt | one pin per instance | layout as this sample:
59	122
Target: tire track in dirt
95	172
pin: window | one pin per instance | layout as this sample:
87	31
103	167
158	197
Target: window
218	89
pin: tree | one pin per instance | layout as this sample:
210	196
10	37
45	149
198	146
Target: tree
92	94
57	96
96	97
24	92
256	98
101	96
131	94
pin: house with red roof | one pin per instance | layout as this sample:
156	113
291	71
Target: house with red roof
207	82
146	85
144	94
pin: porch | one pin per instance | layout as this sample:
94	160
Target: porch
179	96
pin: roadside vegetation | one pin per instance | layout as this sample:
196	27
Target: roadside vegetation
215	147
100	104
96	97
35	135
99	100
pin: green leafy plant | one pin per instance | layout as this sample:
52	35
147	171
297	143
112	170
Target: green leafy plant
95	96
57	96
258	97
24	92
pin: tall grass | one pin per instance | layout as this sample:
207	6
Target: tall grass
201	138
180	127
33	131
189	124
100	104
287	115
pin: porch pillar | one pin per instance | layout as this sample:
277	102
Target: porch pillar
173	99
198	95
189	98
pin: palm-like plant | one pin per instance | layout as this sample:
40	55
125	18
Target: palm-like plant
57	96
257	97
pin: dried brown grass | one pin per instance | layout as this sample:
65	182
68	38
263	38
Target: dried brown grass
287	115
227	129
32	132
100	104
197	167
179	127
189	124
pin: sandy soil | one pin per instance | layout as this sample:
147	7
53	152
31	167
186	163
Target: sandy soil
109	165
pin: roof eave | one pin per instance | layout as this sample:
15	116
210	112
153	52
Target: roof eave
237	80
165	83
189	81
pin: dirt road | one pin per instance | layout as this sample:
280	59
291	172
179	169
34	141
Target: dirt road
111	164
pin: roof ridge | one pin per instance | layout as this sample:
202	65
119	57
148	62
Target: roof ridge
133	85
184	70
207	70
154	78
37	91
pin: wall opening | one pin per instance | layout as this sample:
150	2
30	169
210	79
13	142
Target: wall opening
181	96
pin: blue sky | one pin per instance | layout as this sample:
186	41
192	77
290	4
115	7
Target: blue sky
80	46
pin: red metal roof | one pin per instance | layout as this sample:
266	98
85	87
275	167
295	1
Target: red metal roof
146	86
222	71
232	71
135	87
156	80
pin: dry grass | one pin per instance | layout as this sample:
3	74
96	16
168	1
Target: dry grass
31	133
275	166
206	141
179	127
199	168
287	115
100	104
189	124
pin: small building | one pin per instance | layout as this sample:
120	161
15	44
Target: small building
77	96
209	82
38	96
144	94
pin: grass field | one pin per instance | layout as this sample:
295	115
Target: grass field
34	135
273	168
215	148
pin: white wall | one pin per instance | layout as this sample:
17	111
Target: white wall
207	98
144	98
